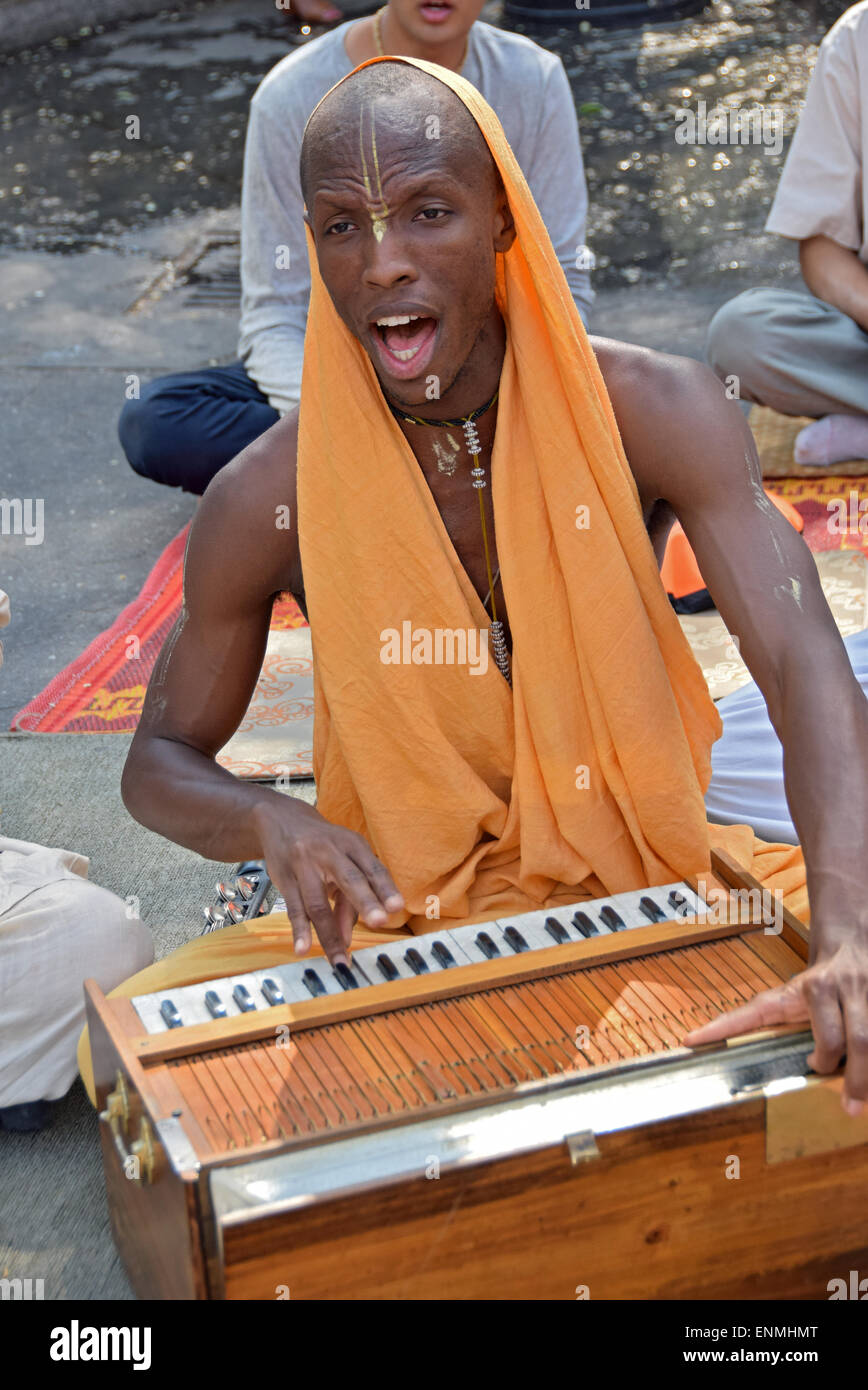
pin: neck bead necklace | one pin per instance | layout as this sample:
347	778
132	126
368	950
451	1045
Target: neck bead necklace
467	423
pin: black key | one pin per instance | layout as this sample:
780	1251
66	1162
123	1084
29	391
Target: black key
416	961
272	991
214	1004
554	929
387	968
442	955
313	982
345	977
678	901
651	910
170	1014
486	945
515	939
241	995
585	925
611	919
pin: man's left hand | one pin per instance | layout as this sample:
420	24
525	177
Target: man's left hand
831	995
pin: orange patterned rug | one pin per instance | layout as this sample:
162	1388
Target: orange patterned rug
102	691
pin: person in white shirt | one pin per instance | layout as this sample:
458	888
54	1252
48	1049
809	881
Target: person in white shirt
807	353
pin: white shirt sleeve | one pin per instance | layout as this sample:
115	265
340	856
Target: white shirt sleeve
275	279
556	176
820	191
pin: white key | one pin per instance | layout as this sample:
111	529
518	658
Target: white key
288	980
532	926
466	938
147	1006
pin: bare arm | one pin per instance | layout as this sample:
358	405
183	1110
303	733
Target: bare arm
765	583
240	555
836	275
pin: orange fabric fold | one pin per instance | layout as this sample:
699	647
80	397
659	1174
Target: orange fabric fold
591	771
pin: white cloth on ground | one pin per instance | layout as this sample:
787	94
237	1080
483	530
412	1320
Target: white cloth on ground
747	773
56	930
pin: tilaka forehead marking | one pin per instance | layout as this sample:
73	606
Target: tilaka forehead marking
378	216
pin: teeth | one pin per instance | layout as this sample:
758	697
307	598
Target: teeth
396	320
405	354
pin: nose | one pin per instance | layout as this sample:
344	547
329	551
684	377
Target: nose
387	260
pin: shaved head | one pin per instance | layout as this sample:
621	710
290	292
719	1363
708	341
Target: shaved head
418	112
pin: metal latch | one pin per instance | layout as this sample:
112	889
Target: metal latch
581	1147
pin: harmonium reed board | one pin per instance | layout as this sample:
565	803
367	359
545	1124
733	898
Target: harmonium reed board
502	1111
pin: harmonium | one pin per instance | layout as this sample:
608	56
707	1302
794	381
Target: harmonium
497	1111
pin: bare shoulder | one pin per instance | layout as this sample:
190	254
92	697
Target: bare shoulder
680	432
248	516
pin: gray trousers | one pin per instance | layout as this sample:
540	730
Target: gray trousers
792	352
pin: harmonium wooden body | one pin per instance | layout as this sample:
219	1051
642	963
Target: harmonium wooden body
503	1111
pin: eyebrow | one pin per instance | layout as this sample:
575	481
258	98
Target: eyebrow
430	183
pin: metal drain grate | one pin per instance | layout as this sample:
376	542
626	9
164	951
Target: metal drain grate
206	274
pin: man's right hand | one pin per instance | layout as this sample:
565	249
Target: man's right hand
311	860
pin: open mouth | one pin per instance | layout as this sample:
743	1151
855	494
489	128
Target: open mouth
405	343
435	12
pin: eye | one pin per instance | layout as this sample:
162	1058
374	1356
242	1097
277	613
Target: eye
339	227
433	214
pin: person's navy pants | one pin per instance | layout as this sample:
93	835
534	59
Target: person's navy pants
185	427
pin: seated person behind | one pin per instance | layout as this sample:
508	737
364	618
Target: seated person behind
187	426
807	354
442	788
56	929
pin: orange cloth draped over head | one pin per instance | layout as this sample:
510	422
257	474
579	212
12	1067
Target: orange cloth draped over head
587	777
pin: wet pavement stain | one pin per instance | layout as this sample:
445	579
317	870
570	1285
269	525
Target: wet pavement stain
681	213
71	176
77	170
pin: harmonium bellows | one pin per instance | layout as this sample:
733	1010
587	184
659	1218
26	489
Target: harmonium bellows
500	1111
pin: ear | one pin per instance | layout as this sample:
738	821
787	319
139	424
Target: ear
504	226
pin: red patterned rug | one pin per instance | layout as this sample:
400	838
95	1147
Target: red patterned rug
102	691
835	510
